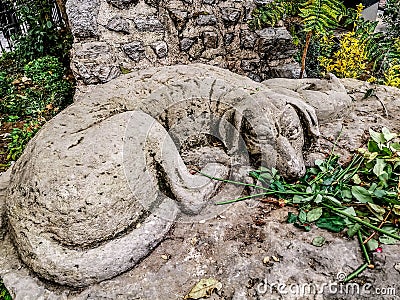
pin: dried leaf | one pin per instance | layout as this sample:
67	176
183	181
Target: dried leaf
204	288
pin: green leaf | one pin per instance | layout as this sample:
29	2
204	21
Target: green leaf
297	199
302	217
377	137
332	223
333	200
346	193
372	146
387	134
353	229
377	210
292	218
395	146
379	167
361	194
384	239
314	214
318	199
380	193
372	244
356	179
387	240
318	241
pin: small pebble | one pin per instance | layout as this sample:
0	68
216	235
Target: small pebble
275	258
266	260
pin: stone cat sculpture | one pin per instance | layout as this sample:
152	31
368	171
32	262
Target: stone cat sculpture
102	183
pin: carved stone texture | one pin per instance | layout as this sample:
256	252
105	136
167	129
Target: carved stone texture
82	16
94	62
210	39
206	20
118	24
160	48
332	93
248	39
135	50
230	15
148	23
106	192
123	4
186	44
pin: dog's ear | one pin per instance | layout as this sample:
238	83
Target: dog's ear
308	120
229	129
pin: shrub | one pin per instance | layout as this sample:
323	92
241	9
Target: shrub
40	91
391	18
44	36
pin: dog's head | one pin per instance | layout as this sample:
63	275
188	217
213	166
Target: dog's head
274	136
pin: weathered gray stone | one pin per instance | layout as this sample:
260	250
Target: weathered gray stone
154	3
160	48
288	70
135	50
123	4
94	62
148	23
230	15
118	24
262	2
210	39
179	17
181	24
206	20
4	182
248	39
250	64
230	246
107	191
275	43
186	44
82	16
228	38
332	93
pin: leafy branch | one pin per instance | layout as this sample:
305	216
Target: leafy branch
363	196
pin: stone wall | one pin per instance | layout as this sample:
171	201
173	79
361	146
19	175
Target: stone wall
116	36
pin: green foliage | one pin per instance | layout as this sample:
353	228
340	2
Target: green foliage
362	53
363	196
4	294
40	91
270	13
44	36
391	18
35	79
321	15
19	139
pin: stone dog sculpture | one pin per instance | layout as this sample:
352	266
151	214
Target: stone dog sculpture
102	183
